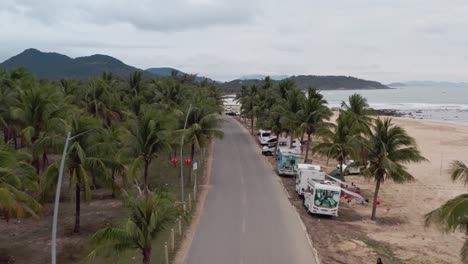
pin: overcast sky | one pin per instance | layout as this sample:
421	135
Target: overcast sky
384	40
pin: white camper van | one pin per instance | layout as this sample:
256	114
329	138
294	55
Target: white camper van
322	198
283	143
264	136
304	172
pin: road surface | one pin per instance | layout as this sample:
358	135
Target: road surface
247	217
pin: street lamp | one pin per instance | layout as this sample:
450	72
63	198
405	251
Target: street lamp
181	157
57	193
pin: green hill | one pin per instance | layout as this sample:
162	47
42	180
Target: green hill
56	66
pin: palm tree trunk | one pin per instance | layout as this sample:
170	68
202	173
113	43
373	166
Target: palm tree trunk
113	183
5	135
77	204
44	160
376	193
146	255
291	140
192	154
306	159
146	172
252	124
15	141
276	147
341	168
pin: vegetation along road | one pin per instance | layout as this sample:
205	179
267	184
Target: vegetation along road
247	217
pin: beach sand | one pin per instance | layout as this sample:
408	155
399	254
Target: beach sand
404	205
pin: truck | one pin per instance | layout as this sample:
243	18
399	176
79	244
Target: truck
288	160
303	173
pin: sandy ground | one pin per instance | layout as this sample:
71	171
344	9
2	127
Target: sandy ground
398	235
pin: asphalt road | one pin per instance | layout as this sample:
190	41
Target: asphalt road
247	217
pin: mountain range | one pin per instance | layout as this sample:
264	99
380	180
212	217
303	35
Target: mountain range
55	66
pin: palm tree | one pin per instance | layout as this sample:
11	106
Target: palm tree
150	214
247	97
82	164
358	112
202	126
17	180
339	143
148	136
454	213
389	147
314	114
291	112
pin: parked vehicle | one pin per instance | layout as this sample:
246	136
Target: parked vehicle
304	172
283	143
323	197
264	136
288	160
350	168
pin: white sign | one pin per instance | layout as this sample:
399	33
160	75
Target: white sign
195	165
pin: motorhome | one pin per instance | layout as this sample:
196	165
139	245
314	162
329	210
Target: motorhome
284	142
264	136
304	172
322	197
288	160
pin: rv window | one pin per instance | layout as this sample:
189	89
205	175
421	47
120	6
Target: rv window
282	144
265	134
326	198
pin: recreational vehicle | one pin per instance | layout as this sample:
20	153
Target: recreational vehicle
264	136
284	142
304	172
322	198
288	160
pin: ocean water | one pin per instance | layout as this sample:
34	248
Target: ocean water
448	104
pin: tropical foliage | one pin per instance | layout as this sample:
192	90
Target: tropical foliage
453	215
123	125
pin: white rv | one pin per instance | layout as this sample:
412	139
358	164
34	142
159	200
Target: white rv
304	172
323	197
284	143
264	136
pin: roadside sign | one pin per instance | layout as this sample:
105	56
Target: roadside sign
195	165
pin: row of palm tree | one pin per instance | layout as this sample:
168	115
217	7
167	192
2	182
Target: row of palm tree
284	108
131	122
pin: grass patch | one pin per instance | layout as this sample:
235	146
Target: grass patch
384	251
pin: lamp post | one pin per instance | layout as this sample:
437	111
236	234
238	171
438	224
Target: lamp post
181	157
57	194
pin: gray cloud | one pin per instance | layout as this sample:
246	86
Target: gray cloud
388	40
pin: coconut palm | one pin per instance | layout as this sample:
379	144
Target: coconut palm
390	148
247	97
313	115
338	141
147	136
17	181
291	111
150	214
454	213
358	111
202	126
82	164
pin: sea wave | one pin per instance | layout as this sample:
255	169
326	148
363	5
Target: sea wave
414	106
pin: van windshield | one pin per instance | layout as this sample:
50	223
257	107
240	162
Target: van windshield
326	198
265	134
